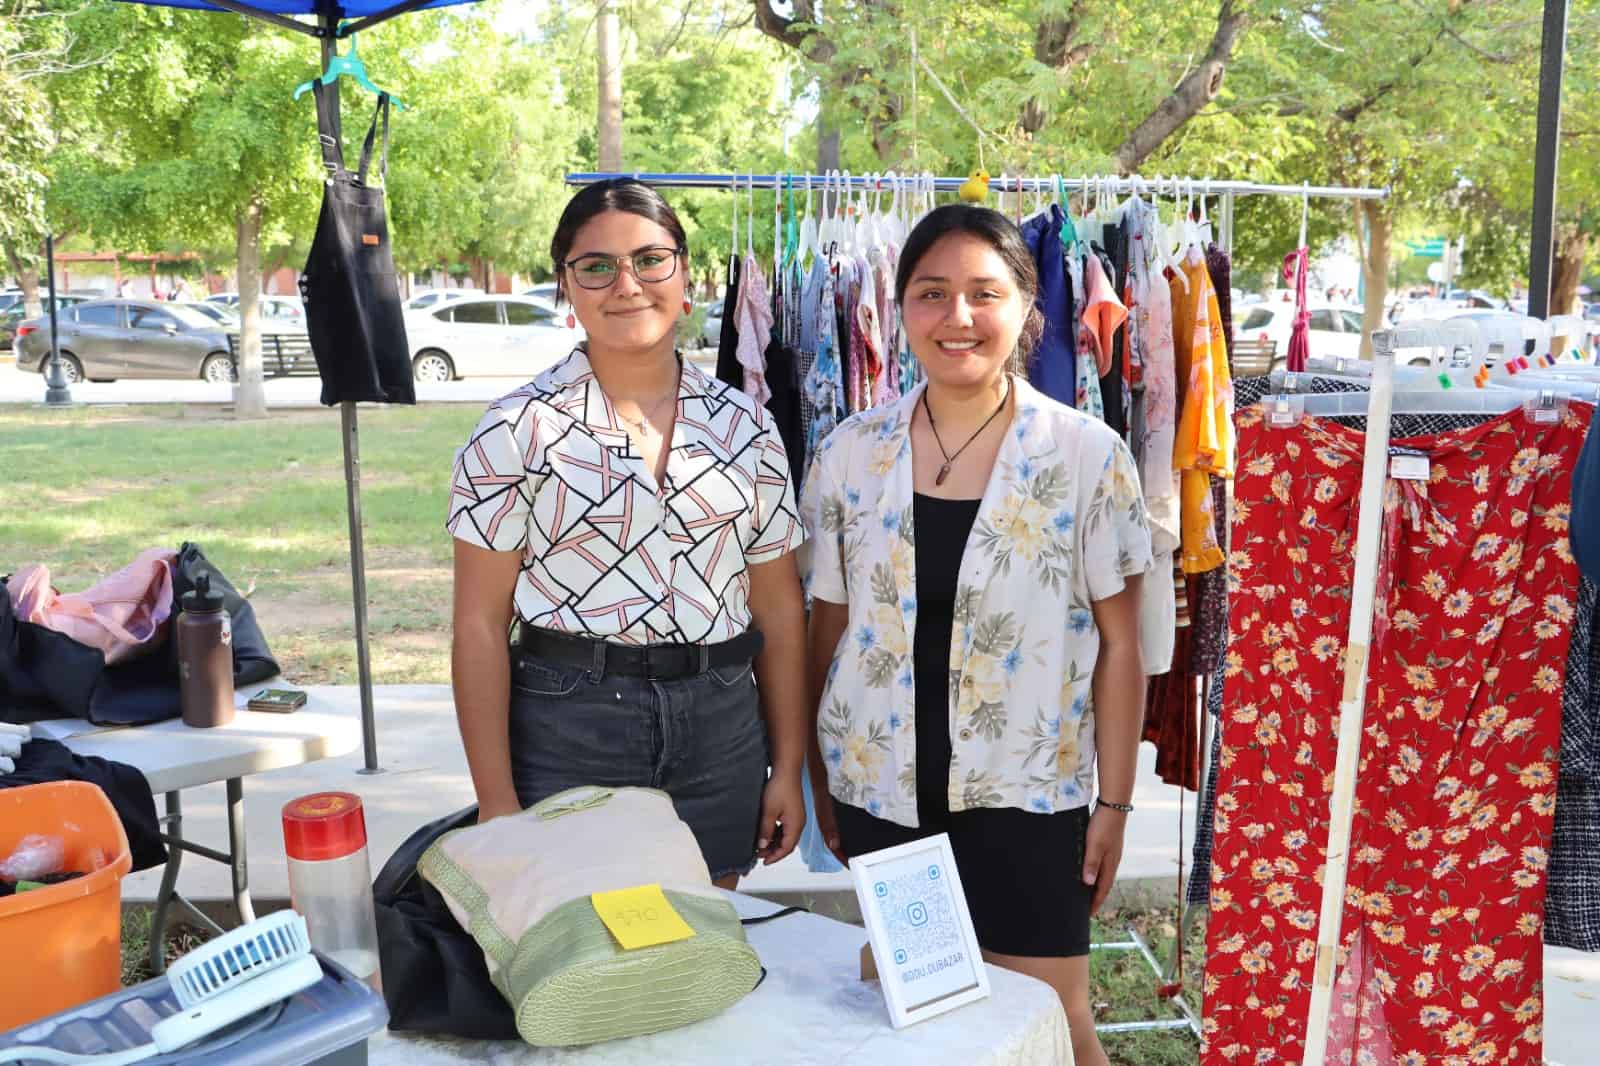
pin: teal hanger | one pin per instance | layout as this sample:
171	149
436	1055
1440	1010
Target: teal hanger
791	226
1069	229
348	64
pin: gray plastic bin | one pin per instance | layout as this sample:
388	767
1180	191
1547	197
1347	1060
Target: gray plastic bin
327	1025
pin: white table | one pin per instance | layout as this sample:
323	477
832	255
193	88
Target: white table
173	757
813	1009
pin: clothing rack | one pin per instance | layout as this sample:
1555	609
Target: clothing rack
1227	191
1003	183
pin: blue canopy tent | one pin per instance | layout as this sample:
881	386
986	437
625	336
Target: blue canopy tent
332	21
330	17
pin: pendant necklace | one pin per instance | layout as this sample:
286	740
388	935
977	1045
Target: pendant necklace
944	471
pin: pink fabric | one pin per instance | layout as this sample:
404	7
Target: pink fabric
123	615
1103	313
1295	267
754	313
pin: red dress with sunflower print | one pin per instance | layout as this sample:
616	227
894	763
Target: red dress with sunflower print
1441	961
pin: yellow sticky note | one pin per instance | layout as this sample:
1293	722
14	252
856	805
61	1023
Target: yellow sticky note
640	917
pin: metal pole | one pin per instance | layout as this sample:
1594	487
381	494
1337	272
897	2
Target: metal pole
57	392
352	488
1546	157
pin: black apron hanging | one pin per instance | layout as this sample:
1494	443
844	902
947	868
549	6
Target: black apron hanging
353	311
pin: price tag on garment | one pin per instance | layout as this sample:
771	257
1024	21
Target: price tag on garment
1409	467
640	917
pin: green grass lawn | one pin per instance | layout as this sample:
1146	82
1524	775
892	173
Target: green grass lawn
89	488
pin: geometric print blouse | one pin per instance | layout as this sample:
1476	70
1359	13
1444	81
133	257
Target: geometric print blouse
550	472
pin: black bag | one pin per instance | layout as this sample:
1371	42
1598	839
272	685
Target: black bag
145	690
435	979
252	659
353	312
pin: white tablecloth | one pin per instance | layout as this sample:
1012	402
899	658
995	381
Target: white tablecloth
812	1010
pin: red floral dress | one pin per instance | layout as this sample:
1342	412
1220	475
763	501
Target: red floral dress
1441	959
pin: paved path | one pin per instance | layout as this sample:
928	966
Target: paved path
17	387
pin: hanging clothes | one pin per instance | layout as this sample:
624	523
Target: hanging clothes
1220	266
1456	789
1087	391
824	384
1572	907
1205	438
810	323
1103	314
755	330
1154	442
1052	370
353	315
729	370
1295	267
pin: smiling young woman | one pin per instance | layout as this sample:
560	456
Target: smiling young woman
636	517
974	566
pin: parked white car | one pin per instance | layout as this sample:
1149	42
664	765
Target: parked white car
283	309
488	336
1335	329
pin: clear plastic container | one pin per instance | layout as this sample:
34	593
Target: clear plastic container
330	878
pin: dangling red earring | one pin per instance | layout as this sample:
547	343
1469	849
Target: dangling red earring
572	320
688	306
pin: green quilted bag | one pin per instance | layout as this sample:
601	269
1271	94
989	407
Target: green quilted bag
521	884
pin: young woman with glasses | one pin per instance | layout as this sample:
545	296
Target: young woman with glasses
637	520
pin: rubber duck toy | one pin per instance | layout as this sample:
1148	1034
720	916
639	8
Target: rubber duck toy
975	190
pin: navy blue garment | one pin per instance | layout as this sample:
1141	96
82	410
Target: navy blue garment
1585	527
1052	370
125	786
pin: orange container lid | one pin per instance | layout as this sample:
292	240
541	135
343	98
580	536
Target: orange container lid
324	825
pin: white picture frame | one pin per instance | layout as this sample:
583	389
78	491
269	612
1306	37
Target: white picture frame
919	929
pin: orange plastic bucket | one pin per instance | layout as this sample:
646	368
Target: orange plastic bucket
62	943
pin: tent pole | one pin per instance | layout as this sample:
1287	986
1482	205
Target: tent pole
1546	157
352	489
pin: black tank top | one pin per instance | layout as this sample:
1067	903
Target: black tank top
941	528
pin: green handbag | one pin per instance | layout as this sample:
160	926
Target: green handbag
521	884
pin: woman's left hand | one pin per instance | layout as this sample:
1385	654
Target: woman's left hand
1102	853
783	816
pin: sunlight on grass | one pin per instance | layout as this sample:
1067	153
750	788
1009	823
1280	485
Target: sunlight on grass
91	487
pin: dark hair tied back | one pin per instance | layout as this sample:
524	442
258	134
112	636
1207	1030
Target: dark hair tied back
996	230
613	194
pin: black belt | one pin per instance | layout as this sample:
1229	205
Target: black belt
653	662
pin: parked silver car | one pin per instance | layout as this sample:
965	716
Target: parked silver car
104	340
488	336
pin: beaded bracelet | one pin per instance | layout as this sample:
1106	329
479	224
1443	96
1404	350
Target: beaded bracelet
1125	808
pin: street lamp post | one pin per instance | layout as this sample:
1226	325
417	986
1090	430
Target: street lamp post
57	393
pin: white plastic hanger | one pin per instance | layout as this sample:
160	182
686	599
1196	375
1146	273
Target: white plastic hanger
808	228
1305	213
750	216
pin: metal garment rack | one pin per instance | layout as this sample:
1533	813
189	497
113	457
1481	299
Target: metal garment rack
1227	191
1045	184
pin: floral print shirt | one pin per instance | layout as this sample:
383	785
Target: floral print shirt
1060	526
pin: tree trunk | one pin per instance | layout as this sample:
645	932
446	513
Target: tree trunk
1572	247
608	42
250	393
1376	250
1197	89
27	274
28	282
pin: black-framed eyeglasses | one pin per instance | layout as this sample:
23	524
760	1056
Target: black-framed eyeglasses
598	270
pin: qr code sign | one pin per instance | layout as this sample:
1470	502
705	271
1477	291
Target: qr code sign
918	915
